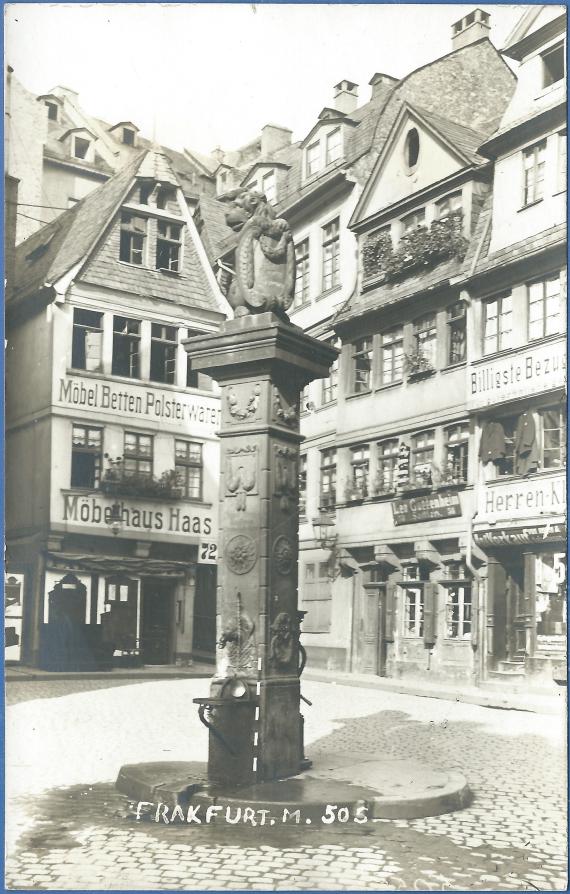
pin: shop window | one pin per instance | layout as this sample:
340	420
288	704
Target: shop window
168	246
133	237
302	283
316	597
387	453
533	167
412	148
331	255
269	186
553	446
138	454
448	205
361	365
550	586
327	494
87	343
422	458
497	323
333	146
86	446
303	484
457	454
544	308
126	347
359	471
456	333
188	466
458	611
313	158
552	65
163	347
425	336
414	220
330	384
392	356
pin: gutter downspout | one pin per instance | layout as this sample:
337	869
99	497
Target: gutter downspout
481	603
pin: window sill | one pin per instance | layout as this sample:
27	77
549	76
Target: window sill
389	385
166	272
420	376
330	403
457	485
303	306
461	364
465	641
328	292
358	394
529	205
506	352
413	491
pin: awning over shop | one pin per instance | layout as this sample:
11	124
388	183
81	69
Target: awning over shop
98	564
510	535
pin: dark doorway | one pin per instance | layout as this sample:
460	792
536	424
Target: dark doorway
157	621
204	637
370	655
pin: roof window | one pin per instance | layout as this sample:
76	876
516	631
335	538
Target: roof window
128	136
553	65
81	147
412	148
52	111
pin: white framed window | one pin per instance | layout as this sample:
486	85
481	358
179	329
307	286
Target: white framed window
163	347
414	220
188	466
387	454
553	438
313	158
457	453
330	384
458	611
497	323
562	161
456	333
413	610
269	186
302	280
360	469
327	496
361	365
331	255
553	65
533	168
316	597
392	356
333	144
422	454
448	205
425	336
138	454
81	148
126	347
544	308
169	246
86	448
132	239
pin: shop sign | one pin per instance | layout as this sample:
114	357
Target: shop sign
207	553
526	534
186	412
534	370
523	497
92	511
426	508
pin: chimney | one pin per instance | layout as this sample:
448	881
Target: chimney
218	154
379	80
273	138
10	219
345	97
470	28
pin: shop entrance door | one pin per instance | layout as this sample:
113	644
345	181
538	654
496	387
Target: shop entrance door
157	621
371	653
517	613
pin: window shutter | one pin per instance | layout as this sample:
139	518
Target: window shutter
390	613
430	612
474	614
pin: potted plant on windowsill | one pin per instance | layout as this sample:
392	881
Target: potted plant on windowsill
355	492
449	476
382	488
119	482
422	482
417	366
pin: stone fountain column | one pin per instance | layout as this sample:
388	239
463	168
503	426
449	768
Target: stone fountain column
261	363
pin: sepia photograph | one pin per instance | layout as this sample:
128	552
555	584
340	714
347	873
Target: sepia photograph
285	447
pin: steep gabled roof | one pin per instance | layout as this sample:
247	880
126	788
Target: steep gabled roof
51	252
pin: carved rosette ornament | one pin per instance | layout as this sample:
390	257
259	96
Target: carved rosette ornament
283	555
264	276
241	553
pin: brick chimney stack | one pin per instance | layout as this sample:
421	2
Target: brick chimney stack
470	28
346	97
273	138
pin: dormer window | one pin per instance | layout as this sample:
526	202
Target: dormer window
168	246
553	65
128	136
52	111
412	148
313	158
133	235
81	147
269	186
333	146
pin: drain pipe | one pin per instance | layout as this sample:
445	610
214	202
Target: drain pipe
481	603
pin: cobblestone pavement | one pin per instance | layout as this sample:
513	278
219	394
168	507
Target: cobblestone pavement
68	829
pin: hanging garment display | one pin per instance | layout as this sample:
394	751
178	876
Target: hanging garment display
493	446
526	447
